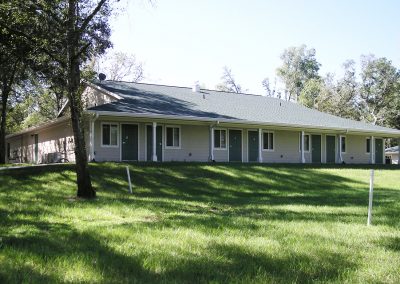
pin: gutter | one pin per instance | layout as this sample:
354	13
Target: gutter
246	122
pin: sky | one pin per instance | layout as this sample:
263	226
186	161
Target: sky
184	41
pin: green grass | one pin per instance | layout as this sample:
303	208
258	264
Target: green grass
200	223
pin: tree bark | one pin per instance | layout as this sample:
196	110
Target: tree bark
84	183
4	98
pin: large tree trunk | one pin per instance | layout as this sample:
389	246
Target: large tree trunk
4	98
84	183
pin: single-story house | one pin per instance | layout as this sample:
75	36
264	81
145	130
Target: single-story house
392	155
148	122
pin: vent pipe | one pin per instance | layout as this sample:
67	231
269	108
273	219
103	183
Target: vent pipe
196	87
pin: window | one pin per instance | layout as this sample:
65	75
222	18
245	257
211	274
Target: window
173	137
343	143
109	134
368	145
268	142
219	139
306	143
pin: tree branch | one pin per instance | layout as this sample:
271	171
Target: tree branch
91	16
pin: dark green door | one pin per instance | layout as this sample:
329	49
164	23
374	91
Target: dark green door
235	145
149	139
378	151
36	148
253	146
330	149
316	148
129	139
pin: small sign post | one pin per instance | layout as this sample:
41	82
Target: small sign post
129	179
371	195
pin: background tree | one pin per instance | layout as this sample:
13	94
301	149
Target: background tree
120	66
380	91
271	90
299	65
229	83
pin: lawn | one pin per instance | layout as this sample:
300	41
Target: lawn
200	223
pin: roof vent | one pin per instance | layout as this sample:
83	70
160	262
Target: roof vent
196	87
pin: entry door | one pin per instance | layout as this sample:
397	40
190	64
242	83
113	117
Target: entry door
129	139
316	148
378	151
36	148
330	149
149	135
235	145
253	146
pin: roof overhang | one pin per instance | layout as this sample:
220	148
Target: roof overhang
42	126
254	124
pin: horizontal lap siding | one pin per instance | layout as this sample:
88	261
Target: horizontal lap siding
195	145
356	150
286	148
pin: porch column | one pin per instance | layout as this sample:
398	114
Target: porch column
260	146
398	158
211	145
154	154
372	150
91	130
303	160
340	150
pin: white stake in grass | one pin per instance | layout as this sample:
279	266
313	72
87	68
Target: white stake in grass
371	195
129	179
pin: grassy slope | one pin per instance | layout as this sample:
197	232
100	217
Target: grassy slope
199	223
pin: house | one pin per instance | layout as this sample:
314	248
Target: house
392	155
147	122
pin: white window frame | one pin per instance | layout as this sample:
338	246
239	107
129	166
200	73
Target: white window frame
118	134
180	136
370	145
273	140
341	144
309	143
226	139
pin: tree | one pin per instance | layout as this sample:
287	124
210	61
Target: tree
229	83
271	91
66	33
14	53
380	91
299	65
122	66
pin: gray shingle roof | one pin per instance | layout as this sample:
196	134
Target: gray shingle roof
181	102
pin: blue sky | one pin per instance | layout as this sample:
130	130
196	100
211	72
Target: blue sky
184	41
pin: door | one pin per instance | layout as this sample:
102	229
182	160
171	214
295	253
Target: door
316	148
36	148
378	151
129	142
149	138
253	146
330	149
235	145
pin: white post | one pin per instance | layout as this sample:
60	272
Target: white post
260	146
398	157
303	160
91	155
371	194
211	146
154	142
340	149
372	150
129	179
